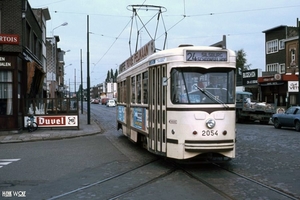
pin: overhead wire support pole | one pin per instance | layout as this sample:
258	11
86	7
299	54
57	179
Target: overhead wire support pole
88	74
81	93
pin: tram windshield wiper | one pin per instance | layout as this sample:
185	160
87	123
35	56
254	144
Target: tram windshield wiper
211	96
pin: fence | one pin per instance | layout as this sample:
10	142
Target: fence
53	112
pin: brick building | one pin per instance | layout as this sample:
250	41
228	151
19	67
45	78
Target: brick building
22	60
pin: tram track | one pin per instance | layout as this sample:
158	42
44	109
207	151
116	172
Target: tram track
234	184
274	189
218	179
144	174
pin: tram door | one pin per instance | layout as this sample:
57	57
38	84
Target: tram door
128	115
157	110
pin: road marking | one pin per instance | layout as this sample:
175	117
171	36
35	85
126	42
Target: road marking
7	161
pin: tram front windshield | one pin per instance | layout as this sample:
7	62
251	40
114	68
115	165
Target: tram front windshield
192	85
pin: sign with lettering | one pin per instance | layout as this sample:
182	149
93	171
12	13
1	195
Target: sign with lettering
138	56
293	86
3	62
250	77
206	55
56	121
9	39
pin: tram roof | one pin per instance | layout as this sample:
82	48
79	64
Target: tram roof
180	50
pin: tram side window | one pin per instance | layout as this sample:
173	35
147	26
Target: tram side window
119	89
145	87
138	88
124	97
133	89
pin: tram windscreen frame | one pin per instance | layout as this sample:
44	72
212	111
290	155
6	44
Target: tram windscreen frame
220	82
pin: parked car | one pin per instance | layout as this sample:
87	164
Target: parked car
290	118
95	101
104	100
111	103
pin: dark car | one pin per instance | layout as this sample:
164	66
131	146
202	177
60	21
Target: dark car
290	118
95	101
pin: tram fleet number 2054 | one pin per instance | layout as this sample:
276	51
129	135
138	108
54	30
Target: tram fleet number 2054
180	102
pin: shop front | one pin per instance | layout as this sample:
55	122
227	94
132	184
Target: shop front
10	92
279	88
19	79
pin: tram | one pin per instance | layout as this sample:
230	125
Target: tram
179	103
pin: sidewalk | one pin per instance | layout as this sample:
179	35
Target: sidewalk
55	133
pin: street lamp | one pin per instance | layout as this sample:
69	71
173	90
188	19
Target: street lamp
66	51
63	24
68	65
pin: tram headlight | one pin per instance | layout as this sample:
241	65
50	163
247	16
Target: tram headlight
210	123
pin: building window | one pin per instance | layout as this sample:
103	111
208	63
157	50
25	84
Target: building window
272	67
293	99
281	44
293	56
282	68
6	93
272	46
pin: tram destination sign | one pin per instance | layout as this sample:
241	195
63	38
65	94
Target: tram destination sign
206	56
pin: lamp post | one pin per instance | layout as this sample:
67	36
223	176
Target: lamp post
63	24
64	79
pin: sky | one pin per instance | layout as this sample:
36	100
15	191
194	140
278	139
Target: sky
199	22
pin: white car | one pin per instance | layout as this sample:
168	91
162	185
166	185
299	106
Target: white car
111	103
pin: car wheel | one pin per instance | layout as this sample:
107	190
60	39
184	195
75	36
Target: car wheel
297	125
276	123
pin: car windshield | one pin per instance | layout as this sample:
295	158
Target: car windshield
192	85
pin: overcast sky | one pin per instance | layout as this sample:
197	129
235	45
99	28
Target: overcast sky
197	22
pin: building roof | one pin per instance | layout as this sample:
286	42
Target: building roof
274	28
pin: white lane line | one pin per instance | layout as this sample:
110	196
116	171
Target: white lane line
7	161
10	160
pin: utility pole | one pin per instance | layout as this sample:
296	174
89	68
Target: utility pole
81	94
88	74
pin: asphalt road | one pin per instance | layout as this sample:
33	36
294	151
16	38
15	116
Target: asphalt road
87	167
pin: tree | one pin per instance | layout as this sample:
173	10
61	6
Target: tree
241	65
111	74
116	75
107	77
241	61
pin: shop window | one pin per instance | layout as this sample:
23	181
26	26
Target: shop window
6	93
293	99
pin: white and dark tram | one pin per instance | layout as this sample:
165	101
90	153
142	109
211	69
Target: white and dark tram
179	103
